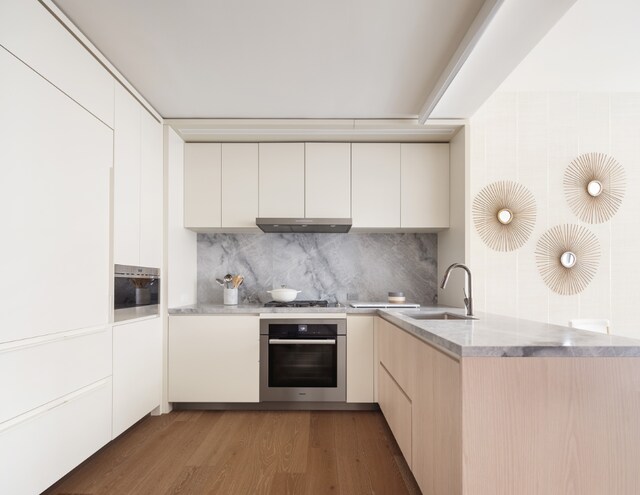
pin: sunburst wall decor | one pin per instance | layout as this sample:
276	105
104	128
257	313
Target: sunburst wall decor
567	257
594	185
504	214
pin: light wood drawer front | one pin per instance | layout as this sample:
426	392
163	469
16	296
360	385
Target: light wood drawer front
51	369
39	450
397	352
396	408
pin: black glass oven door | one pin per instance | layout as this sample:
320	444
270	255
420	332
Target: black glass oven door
303	363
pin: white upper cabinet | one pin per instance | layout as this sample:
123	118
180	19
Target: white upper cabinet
424	186
327	180
56	55
151	191
126	179
137	184
375	192
202	185
54	194
281	183
239	185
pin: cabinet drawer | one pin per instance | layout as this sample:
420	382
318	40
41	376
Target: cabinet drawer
41	448
49	369
397	352
396	407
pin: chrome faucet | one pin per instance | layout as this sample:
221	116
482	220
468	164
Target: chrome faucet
468	299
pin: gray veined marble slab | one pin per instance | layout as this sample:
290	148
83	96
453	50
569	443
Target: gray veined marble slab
501	336
338	267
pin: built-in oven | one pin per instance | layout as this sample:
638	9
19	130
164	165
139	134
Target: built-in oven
303	359
136	292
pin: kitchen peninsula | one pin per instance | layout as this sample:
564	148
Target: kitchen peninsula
498	405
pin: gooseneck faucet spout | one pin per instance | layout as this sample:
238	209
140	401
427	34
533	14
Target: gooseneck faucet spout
468	299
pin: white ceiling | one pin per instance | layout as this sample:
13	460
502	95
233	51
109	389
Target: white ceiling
354	59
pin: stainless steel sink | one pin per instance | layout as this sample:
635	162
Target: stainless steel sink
438	316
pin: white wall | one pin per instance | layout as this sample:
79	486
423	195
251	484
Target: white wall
531	137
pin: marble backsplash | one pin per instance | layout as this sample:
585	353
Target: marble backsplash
340	267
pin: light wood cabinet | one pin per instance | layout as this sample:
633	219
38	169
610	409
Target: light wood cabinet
397	410
397	352
327	180
375	191
202	185
360	358
281	180
424	186
214	358
239	185
137	371
56	161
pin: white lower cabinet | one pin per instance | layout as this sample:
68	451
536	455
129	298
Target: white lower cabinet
137	371
214	358
40	447
360	358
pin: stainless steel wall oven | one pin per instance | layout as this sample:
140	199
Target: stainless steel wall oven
303	359
136	292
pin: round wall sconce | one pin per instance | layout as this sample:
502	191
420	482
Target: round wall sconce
594	185
567	257
504	214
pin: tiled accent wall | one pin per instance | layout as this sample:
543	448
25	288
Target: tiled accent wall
531	138
323	266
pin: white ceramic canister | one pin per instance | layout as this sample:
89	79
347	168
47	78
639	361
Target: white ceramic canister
230	296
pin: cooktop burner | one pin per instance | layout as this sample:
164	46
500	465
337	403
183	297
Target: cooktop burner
297	304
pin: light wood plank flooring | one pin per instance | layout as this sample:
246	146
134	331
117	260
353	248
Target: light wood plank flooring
247	452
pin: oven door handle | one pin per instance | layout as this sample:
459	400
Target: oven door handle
302	341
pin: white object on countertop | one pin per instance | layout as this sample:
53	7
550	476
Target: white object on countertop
284	294
594	325
230	296
383	305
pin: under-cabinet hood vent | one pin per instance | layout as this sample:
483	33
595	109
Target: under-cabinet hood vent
305	225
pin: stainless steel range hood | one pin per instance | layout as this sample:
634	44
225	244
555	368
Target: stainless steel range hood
305	225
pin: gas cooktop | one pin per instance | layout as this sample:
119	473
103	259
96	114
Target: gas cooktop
299	304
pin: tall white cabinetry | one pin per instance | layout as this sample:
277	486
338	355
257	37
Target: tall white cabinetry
56	103
137	190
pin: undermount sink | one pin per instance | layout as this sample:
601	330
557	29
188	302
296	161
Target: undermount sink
438	316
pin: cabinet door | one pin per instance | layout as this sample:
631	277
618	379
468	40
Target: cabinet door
202	185
360	364
281	180
126	180
424	186
327	180
137	371
55	161
239	185
151	192
375	191
396	407
214	359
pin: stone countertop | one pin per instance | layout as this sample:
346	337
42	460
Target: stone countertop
502	336
488	336
256	309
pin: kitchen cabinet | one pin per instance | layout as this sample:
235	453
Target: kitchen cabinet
327	182
137	184
214	358
375	191
419	392
56	160
202	185
424	186
239	186
281	180
360	358
33	35
137	371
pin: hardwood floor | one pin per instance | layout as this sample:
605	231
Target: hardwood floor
247	452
